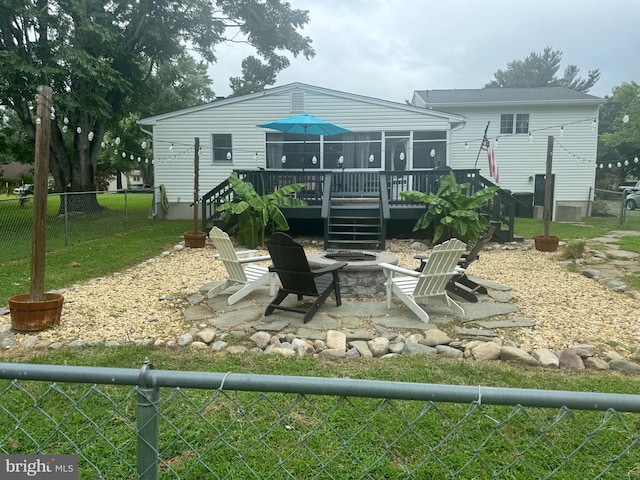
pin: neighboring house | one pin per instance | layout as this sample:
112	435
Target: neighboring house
440	128
520	122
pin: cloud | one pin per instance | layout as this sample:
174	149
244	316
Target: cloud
388	49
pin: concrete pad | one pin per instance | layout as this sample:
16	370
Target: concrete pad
275	326
476	311
234	319
396	322
198	312
514	322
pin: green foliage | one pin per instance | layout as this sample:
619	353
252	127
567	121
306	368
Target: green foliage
254	214
574	250
105	61
451	211
539	70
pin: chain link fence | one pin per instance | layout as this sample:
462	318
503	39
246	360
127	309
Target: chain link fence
72	218
194	425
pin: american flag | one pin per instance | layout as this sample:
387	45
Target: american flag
493	166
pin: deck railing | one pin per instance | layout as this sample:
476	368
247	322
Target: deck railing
361	184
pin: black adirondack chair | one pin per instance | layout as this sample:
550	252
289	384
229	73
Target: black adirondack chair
461	285
297	277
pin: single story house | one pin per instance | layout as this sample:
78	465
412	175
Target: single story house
439	129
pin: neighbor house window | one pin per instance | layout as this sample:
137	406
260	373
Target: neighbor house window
522	123
514	123
221	145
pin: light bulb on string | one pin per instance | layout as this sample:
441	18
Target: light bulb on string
143	144
115	152
562	131
626	163
601	166
610	165
102	144
139	159
38	121
625	119
171	147
635	160
79	130
124	155
131	157
466	146
530	138
619	164
65	120
117	140
65	129
90	136
594	124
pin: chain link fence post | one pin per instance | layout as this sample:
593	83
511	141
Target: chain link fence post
147	416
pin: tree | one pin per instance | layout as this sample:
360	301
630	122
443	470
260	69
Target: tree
256	76
99	58
619	131
539	70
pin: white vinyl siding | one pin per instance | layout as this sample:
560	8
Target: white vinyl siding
174	168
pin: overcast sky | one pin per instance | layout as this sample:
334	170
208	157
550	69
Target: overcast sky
389	48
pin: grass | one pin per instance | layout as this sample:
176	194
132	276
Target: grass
342	437
388	439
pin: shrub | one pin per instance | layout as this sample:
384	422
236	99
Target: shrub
574	250
451	211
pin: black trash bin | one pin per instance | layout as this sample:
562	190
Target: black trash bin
524	204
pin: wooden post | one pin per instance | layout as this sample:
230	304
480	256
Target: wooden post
548	184
40	192
196	180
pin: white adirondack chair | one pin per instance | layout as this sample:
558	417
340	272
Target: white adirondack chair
411	286
251	277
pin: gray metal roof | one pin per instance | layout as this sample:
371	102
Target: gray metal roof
497	95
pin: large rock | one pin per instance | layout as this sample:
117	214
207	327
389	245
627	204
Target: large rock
261	339
546	358
570	359
379	346
336	340
486	351
516	354
435	337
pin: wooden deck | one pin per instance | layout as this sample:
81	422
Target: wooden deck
357	208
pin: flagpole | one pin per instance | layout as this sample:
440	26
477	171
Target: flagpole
480	149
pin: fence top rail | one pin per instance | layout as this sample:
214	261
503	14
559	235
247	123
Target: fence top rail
148	377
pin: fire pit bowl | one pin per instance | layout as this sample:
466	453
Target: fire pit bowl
362	277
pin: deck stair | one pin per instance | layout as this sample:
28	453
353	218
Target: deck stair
354	224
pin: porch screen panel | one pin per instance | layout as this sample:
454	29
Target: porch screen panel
429	149
274	150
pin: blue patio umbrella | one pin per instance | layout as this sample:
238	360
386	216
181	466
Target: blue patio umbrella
305	125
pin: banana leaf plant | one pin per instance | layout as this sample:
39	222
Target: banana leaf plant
253	215
452	213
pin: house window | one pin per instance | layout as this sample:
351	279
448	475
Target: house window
221	146
522	123
514	123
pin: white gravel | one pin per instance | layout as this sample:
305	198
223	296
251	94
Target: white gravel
147	301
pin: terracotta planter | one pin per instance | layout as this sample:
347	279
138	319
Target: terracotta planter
549	244
30	316
194	239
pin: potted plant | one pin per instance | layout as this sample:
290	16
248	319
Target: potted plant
195	238
451	212
38	310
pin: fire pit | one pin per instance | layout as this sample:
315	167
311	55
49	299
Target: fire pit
362	277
